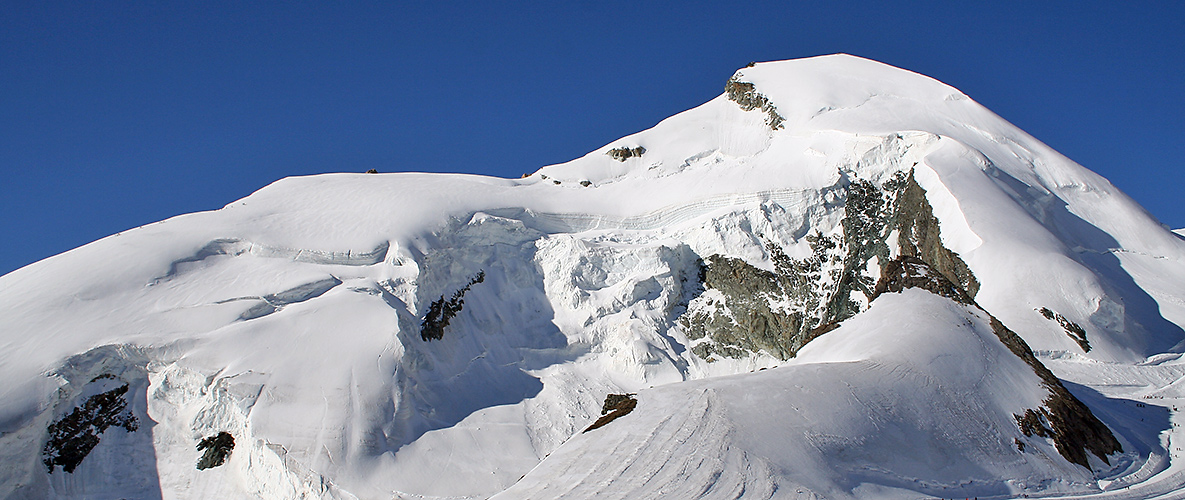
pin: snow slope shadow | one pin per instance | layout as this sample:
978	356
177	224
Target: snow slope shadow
96	440
273	302
501	332
1126	308
1138	425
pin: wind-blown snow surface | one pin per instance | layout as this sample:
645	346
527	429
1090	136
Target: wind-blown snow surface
291	319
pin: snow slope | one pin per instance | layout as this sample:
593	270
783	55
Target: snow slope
851	416
292	320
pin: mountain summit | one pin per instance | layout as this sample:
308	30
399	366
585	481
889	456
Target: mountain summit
838	279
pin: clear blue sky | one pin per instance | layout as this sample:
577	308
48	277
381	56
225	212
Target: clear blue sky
117	114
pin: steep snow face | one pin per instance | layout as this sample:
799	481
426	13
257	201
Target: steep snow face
1036	226
336	327
913	397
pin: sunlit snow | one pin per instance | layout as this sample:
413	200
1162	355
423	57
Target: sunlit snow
291	320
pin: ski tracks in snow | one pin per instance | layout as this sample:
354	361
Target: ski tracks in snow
682	455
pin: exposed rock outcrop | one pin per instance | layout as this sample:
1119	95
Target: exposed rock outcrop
1071	425
72	437
741	319
441	311
920	236
746	310
814	294
217	450
746	95
1072	329
911	272
624	153
1062	417
926	263
616	406
752	310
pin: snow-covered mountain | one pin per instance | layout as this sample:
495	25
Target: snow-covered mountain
838	279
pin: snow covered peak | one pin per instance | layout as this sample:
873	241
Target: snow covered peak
842	74
826	108
775	105
431	335
802	89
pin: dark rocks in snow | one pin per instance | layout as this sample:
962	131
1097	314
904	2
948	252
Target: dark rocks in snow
819	291
1033	423
1072	329
617	401
919	236
912	272
749	324
871	214
925	263
745	94
218	448
1062	417
624	153
72	437
441	311
1065	419
816	292
616	406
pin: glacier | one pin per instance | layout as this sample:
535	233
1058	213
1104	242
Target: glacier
732	272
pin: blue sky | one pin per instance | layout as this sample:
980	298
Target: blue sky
118	114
